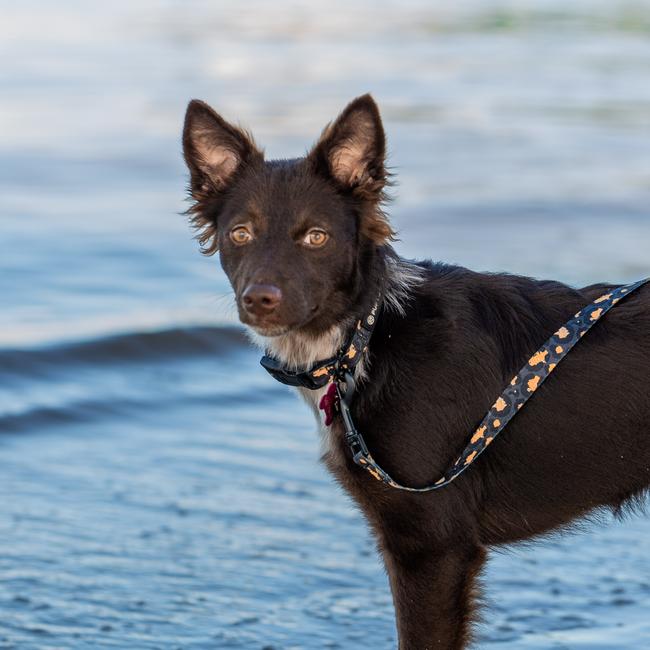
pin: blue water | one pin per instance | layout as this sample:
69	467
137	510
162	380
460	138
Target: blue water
158	490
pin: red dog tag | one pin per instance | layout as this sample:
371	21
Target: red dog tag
330	404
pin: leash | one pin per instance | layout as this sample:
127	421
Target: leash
340	371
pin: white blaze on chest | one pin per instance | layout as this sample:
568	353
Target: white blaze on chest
297	350
313	398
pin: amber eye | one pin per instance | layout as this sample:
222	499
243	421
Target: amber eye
315	238
240	235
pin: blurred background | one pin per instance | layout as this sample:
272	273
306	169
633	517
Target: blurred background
158	489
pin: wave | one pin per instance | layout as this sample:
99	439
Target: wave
132	347
132	375
94	408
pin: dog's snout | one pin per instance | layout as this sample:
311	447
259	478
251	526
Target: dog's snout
261	299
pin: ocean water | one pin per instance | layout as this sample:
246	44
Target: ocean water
158	489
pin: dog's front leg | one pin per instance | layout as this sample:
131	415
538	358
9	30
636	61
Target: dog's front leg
434	596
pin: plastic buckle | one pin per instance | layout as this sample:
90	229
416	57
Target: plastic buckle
357	447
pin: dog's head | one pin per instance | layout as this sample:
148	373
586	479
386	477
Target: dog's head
294	236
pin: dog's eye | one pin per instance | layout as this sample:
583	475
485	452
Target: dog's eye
315	238
240	235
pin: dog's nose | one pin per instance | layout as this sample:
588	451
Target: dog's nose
261	299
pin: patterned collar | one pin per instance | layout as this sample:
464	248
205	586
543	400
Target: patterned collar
335	368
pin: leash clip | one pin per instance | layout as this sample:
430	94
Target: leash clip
344	378
353	438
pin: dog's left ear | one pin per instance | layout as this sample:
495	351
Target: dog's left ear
352	152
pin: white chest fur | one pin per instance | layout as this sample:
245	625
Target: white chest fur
296	350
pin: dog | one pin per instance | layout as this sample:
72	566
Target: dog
307	247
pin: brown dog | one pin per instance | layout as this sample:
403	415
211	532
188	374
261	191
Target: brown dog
306	246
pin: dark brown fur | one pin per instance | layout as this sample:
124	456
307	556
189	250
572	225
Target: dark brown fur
432	371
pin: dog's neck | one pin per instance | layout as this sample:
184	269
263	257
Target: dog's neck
297	349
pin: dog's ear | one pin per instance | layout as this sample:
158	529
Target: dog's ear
214	151
352	151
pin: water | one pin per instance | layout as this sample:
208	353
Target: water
158	489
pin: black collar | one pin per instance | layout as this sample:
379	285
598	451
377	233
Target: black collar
322	372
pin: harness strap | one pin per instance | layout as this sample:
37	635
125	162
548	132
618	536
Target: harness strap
518	392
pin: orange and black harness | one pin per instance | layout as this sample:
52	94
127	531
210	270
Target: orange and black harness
338	371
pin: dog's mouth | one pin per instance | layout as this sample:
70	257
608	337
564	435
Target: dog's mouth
269	331
272	326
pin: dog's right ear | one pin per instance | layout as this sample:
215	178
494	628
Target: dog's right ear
214	152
